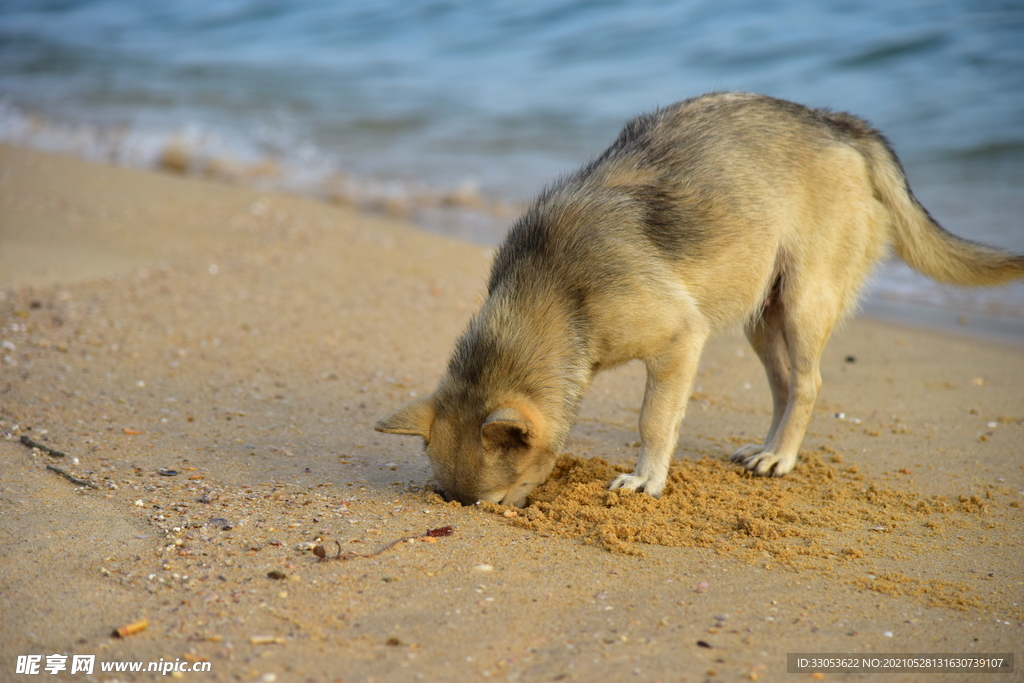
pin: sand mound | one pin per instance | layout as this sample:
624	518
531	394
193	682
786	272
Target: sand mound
814	516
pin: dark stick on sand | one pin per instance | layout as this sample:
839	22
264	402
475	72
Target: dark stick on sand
321	553
72	478
44	448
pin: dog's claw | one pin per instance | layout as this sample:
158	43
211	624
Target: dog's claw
765	463
632	482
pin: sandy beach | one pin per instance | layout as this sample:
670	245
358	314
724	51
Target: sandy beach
210	362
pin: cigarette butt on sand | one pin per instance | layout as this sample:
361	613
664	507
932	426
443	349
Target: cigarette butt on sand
266	640
132	628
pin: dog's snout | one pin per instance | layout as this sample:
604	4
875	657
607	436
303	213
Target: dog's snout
448	497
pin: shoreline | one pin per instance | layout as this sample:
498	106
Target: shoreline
463	212
951	322
220	386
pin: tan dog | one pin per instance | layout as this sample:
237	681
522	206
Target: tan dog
721	209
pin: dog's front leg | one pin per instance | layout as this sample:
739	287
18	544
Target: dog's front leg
669	380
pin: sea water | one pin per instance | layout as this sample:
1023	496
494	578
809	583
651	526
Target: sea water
455	113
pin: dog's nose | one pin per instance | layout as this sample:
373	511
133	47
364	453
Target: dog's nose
450	497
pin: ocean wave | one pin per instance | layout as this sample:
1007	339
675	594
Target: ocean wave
195	150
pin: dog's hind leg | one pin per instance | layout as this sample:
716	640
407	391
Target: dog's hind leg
767	335
807	317
669	381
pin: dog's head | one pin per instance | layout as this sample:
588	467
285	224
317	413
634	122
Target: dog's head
500	455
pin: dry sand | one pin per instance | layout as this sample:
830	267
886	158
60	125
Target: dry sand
213	361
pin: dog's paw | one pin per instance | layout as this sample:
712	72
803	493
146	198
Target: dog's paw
633	482
766	463
744	452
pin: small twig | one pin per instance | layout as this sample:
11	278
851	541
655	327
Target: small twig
72	478
349	555
43	447
321	553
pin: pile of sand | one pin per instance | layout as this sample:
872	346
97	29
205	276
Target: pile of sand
812	517
821	518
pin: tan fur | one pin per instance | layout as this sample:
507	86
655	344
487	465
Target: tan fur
721	209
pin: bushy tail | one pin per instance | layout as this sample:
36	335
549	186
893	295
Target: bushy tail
924	244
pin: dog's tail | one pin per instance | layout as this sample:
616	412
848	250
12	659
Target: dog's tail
921	242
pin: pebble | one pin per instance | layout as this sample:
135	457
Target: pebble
701	587
887	634
484	567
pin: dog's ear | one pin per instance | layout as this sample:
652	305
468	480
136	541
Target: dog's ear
508	429
415	417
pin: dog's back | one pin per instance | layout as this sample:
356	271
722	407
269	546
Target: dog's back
713	194
729	191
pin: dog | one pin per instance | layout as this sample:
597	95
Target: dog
722	209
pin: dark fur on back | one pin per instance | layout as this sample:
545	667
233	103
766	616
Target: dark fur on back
678	187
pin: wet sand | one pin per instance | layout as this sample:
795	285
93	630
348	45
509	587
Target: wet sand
212	360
